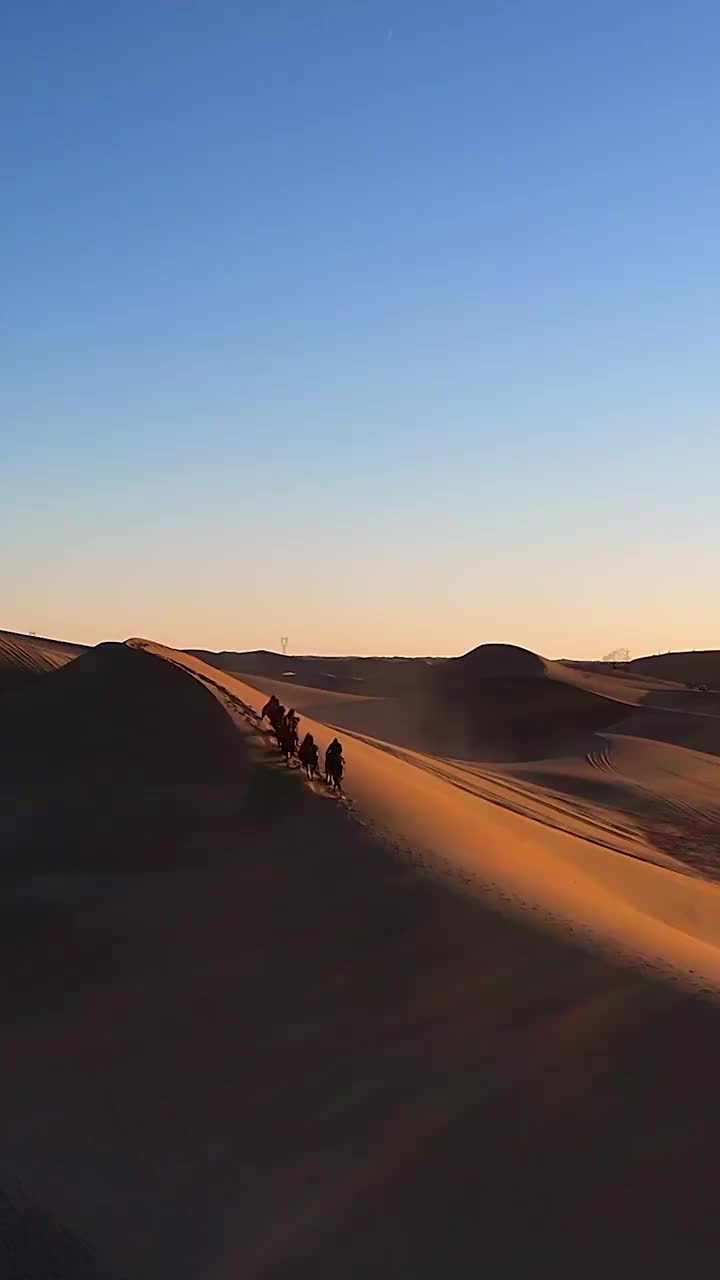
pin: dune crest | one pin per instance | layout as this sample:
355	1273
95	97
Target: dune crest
23	657
115	703
494	660
696	667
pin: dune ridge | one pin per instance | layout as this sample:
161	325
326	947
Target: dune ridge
696	667
497	702
23	657
114	702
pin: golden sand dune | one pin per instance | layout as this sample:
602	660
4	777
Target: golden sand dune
252	1030
604	877
503	703
646	900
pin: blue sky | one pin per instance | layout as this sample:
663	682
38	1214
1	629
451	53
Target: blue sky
393	326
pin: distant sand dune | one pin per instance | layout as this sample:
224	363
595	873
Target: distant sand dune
458	713
501	703
500	660
22	657
384	677
698	667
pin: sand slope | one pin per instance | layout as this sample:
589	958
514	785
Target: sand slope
371	677
395	677
454	714
621	790
113	706
247	1030
698	667
22	657
647	904
502	703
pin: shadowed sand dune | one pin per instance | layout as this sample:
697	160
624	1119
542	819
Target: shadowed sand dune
499	702
116	706
499	660
400	677
385	677
503	704
496	703
699	667
249	1030
22	657
697	731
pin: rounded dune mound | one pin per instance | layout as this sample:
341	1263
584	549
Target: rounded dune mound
502	660
501	702
120	708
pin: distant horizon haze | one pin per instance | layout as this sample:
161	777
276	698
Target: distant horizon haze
325	653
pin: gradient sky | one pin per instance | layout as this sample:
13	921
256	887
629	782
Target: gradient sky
389	325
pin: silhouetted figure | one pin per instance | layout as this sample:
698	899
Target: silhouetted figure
292	721
275	712
334	765
278	723
309	757
269	709
286	742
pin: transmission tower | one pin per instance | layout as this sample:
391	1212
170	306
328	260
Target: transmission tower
284	644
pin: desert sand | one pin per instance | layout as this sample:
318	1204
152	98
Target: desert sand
24	656
462	1021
